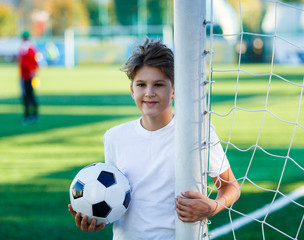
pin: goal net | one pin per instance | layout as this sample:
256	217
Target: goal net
254	96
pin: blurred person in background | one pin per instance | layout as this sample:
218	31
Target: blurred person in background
28	67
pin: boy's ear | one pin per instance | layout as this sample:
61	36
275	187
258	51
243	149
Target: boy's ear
131	89
172	97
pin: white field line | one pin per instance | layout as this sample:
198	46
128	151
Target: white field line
240	222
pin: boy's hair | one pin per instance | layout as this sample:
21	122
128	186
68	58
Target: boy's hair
151	53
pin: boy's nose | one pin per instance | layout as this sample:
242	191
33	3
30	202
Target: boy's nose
150	92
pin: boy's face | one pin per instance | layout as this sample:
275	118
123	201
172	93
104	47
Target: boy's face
153	92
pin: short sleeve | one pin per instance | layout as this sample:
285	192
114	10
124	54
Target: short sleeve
218	162
108	153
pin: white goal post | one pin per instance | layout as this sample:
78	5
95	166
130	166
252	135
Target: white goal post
260	117
191	125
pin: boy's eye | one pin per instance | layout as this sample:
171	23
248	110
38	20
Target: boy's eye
140	84
159	84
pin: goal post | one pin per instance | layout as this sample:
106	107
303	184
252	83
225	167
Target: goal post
190	106
257	109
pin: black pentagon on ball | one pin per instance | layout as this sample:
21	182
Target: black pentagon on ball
127	199
77	190
106	178
101	209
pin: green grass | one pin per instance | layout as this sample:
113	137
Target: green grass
78	105
273	135
39	161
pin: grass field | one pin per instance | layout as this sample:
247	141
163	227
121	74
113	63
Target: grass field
77	106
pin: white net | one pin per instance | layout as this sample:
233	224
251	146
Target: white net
258	112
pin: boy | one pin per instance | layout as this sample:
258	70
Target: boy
28	67
144	151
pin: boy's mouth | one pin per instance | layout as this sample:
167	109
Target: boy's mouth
150	103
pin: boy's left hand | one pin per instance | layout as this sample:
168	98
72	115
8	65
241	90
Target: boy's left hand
193	206
82	222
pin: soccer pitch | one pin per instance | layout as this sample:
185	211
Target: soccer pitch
77	106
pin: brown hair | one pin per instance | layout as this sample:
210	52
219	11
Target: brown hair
151	53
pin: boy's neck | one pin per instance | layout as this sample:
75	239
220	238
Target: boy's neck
153	124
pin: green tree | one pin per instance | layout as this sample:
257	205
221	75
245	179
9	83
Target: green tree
126	11
92	9
253	12
7	21
155	12
249	8
68	13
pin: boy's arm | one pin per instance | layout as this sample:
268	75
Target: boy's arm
228	192
193	206
82	222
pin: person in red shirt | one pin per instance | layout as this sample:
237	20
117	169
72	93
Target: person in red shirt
28	67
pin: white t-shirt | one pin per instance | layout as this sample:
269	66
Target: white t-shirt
147	160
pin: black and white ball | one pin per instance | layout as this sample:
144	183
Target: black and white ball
100	191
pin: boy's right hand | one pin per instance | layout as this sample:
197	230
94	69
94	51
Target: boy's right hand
82	222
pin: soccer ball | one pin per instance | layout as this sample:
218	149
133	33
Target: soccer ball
100	191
